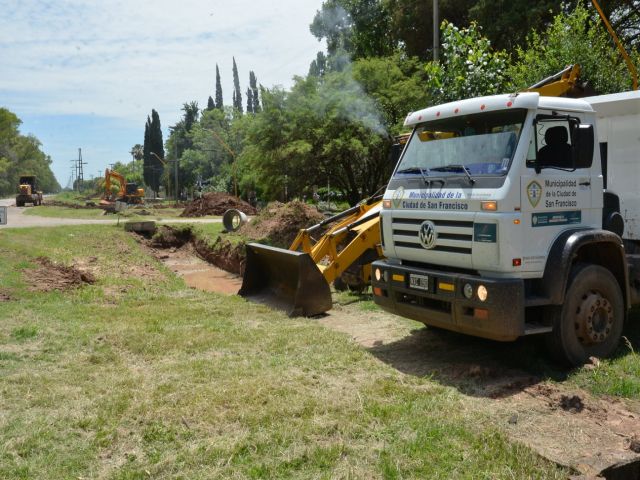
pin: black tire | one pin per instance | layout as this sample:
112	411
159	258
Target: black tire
590	322
19	204
339	285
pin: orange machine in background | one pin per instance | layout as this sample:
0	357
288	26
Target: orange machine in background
128	191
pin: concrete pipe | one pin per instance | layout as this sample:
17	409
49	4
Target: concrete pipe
233	220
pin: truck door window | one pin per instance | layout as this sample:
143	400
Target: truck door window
551	145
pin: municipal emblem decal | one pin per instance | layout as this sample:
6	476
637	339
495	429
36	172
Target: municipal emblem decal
397	196
534	193
428	235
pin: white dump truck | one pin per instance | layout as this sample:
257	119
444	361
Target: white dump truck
514	215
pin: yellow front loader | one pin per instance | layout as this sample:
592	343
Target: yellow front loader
297	280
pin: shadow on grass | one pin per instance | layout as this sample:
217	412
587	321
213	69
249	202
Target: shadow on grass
480	367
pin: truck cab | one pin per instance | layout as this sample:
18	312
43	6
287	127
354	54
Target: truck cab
498	221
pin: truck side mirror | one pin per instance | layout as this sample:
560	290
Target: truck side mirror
583	146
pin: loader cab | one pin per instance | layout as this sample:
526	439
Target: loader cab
30	180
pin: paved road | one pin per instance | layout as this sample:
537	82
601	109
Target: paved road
17	219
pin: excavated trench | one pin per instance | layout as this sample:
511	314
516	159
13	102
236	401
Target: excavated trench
213	267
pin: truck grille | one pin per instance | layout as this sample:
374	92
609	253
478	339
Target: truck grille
454	236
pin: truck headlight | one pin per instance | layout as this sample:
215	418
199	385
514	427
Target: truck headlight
482	293
378	274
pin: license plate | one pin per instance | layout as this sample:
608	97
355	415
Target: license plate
421	282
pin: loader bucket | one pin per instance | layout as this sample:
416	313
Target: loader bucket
286	280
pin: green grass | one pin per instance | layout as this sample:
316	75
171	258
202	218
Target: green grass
156	214
140	377
620	375
67	212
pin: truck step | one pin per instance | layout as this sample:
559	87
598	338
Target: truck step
536	301
535	329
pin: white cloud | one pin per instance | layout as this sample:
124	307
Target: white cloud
120	59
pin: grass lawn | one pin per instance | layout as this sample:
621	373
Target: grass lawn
66	212
156	214
139	377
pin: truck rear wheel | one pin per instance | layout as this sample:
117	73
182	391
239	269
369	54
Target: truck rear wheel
590	322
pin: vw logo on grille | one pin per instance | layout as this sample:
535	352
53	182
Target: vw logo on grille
428	234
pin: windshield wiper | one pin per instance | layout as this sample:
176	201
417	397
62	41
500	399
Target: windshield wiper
424	173
456	167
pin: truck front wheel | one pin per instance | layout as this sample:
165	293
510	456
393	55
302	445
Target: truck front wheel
590	322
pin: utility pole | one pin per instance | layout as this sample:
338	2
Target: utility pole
80	173
436	31
76	170
176	175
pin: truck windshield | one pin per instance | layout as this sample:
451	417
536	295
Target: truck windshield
476	144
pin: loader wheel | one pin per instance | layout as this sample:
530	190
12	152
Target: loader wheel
590	322
339	285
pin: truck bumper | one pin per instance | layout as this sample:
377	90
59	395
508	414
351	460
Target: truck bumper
441	302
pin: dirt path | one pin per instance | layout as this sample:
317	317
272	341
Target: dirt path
16	218
556	419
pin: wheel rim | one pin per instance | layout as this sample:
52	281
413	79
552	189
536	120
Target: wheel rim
594	319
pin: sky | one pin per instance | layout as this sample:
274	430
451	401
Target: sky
85	74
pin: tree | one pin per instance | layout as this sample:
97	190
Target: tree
338	128
137	152
148	166
210	103
469	67
516	19
576	37
237	95
21	155
255	99
219	102
154	166
249	100
318	66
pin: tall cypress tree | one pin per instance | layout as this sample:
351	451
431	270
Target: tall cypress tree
146	149
156	145
210	104
249	100
219	103
237	95
253	85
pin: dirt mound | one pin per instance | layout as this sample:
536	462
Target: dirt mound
216	203
279	223
49	276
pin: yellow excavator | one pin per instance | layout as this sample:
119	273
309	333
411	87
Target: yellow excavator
127	191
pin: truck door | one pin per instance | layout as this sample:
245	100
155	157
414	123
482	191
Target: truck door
556	195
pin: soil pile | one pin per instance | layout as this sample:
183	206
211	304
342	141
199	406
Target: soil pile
49	276
216	203
279	223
